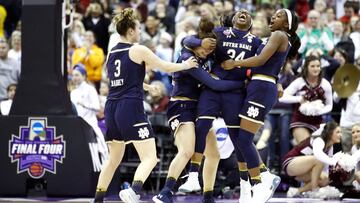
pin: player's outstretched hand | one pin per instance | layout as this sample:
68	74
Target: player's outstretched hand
190	63
228	64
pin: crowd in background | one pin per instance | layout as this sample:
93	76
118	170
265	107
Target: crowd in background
329	29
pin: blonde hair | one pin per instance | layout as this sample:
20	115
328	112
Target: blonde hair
124	20
353	140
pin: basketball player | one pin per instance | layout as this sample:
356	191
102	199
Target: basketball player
261	92
235	42
126	121
182	107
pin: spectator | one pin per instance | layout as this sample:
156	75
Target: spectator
355	131
152	29
301	7
164	47
208	11
328	64
77	33
341	56
259	29
15	51
13	10
186	8
104	91
185	28
3	15
5	105
315	35
165	15
343	41
9	69
228	7
92	57
152	75
312	98
355	36
219	7
320	6
268	10
86	100
350	115
350	8
330	17
158	99
96	22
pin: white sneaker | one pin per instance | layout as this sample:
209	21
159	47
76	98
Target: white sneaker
271	180
245	191
356	185
292	192
191	184
129	196
261	193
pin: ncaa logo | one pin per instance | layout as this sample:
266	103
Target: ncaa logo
37	148
38	128
221	134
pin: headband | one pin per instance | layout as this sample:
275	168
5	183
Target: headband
289	17
81	68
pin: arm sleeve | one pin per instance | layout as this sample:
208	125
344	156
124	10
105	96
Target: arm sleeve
289	93
192	41
318	146
218	85
328	97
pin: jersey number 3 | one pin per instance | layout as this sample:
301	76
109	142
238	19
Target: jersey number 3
232	54
117	71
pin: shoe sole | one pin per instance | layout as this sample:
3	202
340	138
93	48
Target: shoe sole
156	200
188	191
274	185
126	197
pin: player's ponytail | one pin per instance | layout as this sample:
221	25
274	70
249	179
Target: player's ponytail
294	38
328	131
124	20
206	29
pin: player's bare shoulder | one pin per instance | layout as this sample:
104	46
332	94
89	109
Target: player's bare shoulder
137	52
279	35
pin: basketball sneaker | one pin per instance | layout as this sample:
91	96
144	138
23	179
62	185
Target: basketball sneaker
191	184
129	196
245	191
261	193
165	196
271	180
